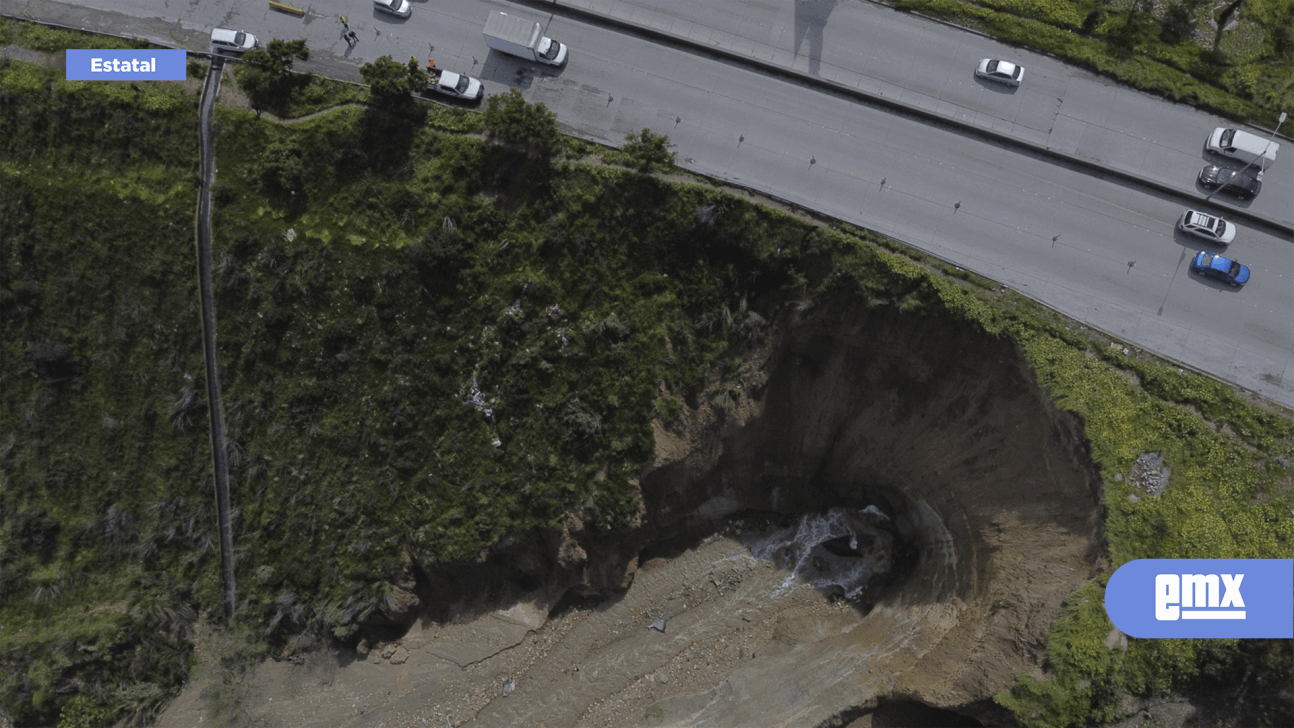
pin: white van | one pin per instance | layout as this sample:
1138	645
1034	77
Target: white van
232	41
1242	145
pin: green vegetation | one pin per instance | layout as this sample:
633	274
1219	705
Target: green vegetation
440	353
89	172
530	128
267	76
432	340
643	151
295	95
37	37
391	85
1225	500
1169	48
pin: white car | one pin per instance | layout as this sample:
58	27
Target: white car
232	41
1001	71
454	84
1207	227
400	8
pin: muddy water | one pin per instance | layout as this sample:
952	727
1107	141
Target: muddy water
836	552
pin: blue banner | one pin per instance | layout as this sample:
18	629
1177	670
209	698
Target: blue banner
1203	598
114	65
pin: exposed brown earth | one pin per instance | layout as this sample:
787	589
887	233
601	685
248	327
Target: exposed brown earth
995	521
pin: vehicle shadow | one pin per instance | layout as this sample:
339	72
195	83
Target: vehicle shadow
514	72
1194	244
389	18
1211	282
995	86
428	95
1222	196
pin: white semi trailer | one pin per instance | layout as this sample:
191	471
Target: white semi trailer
522	38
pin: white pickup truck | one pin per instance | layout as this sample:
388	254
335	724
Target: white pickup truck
454	84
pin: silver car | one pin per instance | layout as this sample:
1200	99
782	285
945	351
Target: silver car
399	8
992	69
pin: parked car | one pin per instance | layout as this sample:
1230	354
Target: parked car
1006	72
1245	186
453	84
232	41
1208	227
400	8
1224	269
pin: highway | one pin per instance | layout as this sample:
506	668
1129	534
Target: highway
1092	246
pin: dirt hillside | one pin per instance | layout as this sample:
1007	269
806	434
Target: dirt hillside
965	511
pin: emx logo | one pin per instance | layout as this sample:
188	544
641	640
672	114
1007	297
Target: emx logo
1203	598
1198	596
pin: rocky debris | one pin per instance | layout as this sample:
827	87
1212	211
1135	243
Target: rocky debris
1150	474
1116	639
401	604
488	635
1172	712
659	626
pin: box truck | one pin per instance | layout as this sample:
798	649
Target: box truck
522	38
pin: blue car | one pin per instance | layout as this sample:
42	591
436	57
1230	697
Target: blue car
1224	269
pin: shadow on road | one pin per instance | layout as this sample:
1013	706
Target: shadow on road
810	18
994	86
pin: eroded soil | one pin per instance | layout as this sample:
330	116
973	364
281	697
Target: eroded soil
731	626
940	428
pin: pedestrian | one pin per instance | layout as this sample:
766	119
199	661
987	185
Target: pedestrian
352	38
344	22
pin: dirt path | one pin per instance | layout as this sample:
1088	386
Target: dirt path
730	622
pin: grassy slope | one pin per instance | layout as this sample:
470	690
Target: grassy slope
422	259
1250	78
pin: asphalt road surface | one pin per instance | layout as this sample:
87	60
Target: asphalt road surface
1098	250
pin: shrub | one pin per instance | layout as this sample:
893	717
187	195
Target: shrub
510	120
391	84
643	151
